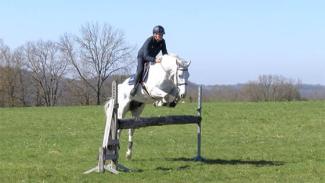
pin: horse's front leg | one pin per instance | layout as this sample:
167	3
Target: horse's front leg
130	144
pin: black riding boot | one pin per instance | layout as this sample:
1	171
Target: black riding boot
134	89
138	76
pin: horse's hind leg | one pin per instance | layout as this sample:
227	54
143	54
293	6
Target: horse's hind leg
136	114
120	115
130	144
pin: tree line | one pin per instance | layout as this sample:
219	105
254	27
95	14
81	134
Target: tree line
264	88
48	73
77	69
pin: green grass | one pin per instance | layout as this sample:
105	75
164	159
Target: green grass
242	142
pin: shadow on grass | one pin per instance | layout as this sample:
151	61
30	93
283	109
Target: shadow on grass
173	169
258	163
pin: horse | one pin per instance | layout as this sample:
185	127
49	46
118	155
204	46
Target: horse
165	85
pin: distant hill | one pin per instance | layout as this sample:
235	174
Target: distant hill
307	91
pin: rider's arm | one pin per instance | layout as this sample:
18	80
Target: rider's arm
146	55
164	49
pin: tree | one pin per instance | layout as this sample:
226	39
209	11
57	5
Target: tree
80	91
22	79
11	67
272	88
4	61
48	67
96	54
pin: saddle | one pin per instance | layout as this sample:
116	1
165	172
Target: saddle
144	75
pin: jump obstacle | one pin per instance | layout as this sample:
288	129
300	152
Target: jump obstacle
108	152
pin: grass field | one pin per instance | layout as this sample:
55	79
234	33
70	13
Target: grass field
242	142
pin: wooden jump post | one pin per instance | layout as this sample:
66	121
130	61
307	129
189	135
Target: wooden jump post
108	152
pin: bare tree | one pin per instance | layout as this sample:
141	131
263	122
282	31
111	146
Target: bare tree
252	91
3	50
271	88
11	67
265	83
22	78
80	90
96	54
48	68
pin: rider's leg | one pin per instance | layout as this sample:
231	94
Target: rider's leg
138	75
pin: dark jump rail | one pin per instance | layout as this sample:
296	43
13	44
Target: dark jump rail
158	121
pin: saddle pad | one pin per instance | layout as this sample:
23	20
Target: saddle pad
144	75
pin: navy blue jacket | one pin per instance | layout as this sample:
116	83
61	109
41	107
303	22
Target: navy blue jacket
151	48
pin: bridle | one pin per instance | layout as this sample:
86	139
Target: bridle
176	76
177	83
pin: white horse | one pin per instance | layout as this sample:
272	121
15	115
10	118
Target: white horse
166	85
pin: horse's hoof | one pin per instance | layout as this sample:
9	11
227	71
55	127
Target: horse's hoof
172	104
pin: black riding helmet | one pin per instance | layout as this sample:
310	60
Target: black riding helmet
158	29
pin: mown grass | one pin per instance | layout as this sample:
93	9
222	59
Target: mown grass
242	142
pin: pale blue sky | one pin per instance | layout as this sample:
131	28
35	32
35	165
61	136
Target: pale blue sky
228	42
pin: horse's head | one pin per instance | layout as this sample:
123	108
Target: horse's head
181	77
179	73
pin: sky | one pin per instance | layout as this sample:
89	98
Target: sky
228	42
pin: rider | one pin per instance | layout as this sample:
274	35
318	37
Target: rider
148	52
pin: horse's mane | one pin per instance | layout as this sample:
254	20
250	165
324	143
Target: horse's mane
183	61
174	55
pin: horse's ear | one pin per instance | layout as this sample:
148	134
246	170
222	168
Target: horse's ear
183	63
178	62
188	63
171	76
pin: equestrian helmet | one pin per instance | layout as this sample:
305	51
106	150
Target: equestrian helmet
158	30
